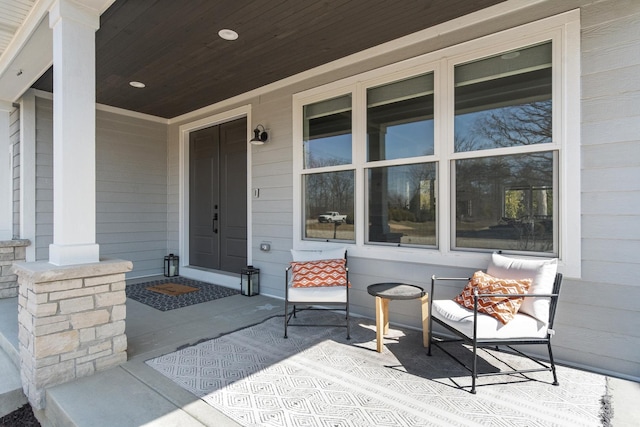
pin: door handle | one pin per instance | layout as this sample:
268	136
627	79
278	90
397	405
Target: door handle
214	223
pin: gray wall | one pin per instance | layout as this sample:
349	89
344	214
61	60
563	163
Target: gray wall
598	324
14	141
131	188
600	317
131	191
44	178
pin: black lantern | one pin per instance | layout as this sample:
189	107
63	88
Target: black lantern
250	281
171	263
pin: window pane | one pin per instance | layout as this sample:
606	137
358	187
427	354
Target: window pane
327	133
504	100
402	204
329	206
506	202
400	119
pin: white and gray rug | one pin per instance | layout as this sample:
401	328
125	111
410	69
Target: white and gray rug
318	378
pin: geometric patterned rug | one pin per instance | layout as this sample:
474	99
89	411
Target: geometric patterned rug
205	292
318	378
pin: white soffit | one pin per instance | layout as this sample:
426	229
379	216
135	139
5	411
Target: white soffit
26	49
12	15
20	21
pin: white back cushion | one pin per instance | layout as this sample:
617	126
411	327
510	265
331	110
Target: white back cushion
541	272
317	255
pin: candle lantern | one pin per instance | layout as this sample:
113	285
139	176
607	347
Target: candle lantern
171	263
250	281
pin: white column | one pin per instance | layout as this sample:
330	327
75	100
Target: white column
6	174
74	134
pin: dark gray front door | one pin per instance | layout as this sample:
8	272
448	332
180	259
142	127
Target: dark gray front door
218	197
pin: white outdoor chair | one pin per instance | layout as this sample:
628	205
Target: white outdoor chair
326	286
531	324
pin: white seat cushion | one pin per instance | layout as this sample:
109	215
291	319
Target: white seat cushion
335	294
461	319
320	294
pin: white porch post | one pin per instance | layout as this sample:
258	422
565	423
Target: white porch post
6	199
74	134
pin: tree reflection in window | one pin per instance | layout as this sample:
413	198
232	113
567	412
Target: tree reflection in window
329	192
505	202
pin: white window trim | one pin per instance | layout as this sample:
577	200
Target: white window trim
564	31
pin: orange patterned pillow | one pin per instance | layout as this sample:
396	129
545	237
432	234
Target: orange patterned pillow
327	272
502	308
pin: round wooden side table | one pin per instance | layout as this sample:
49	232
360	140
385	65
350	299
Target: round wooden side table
385	292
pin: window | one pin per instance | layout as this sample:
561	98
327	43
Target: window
466	150
328	188
401	199
505	102
505	203
402	204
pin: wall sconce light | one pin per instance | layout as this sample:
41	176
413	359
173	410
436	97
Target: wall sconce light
260	136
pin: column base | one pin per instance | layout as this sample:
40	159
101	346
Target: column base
71	322
74	254
11	251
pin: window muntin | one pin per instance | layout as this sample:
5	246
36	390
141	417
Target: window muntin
401	204
325	193
327	133
506	202
504	100
400	119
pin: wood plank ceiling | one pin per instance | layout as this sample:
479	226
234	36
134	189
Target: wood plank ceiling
173	46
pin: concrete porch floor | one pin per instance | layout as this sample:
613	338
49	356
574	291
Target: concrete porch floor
134	394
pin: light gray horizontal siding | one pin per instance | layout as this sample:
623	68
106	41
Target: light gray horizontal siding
131	191
44	178
131	188
14	142
618	129
599	318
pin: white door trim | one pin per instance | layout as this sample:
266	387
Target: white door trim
221	278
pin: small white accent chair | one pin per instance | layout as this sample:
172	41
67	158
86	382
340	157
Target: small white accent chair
532	324
317	297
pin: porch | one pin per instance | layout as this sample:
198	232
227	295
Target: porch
135	394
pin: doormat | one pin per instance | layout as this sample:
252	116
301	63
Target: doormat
172	289
165	302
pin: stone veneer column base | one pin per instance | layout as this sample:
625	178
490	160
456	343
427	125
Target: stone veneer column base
10	252
71	322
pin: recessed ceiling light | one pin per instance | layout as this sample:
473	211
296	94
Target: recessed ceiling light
138	85
227	34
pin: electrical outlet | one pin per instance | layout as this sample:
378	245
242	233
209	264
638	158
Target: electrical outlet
266	247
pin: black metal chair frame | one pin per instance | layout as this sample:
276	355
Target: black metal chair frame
314	305
496	342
